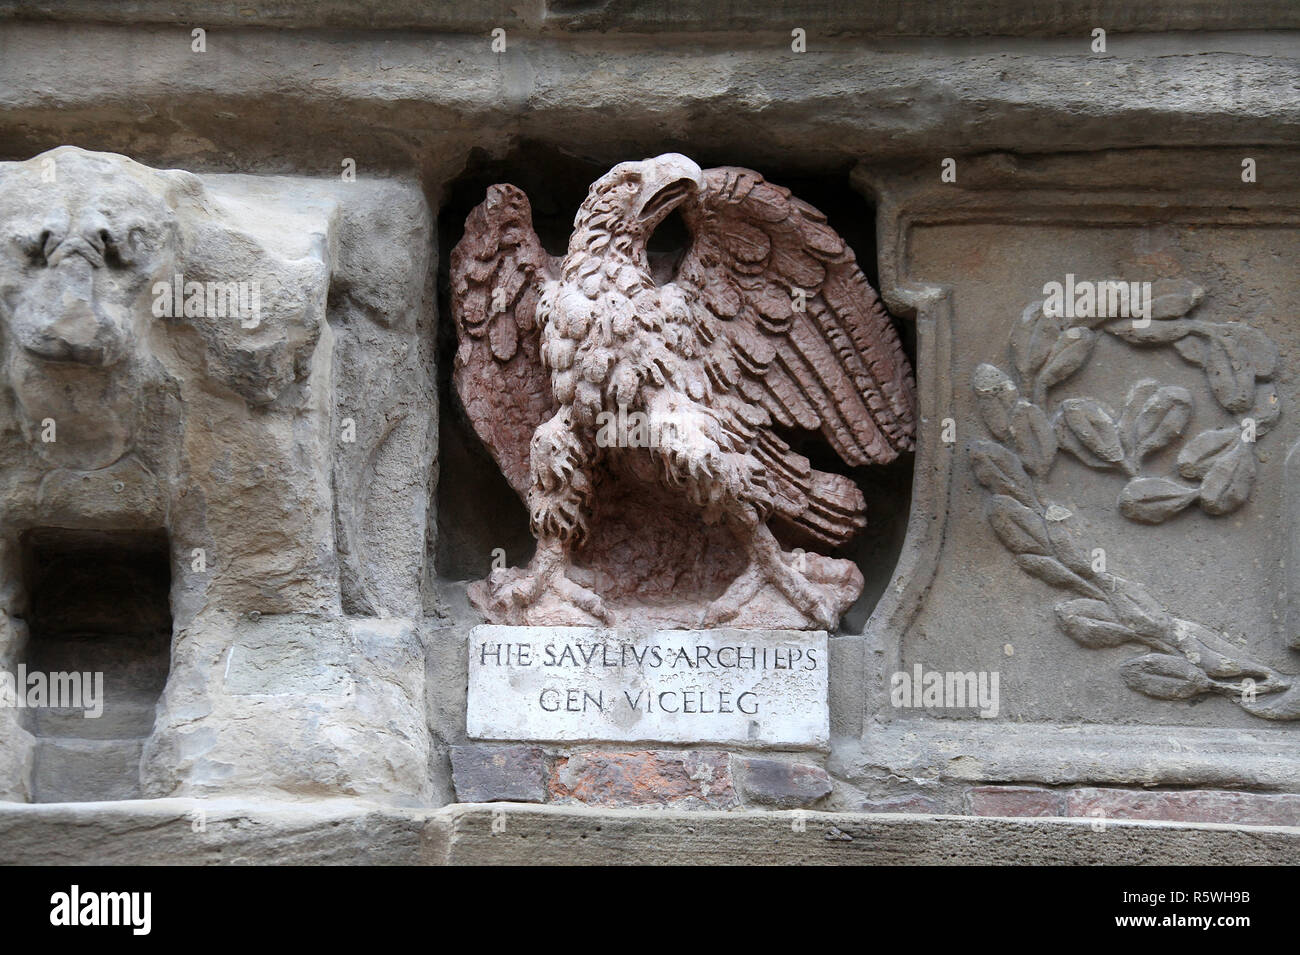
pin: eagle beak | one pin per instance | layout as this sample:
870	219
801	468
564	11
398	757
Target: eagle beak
665	181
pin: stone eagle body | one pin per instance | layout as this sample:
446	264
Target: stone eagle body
609	390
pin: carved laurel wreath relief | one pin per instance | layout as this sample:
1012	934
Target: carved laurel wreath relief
1215	468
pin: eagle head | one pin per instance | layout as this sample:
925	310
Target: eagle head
630	200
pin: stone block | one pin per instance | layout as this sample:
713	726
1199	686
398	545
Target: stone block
499	773
778	784
752	688
1206	805
913	803
297	705
86	770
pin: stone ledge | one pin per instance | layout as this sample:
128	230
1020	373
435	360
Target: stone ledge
170	831
113	84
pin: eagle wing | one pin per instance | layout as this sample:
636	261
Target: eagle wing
836	366
497	272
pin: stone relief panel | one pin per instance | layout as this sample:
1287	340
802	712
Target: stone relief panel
1106	431
641	404
232	366
1216	469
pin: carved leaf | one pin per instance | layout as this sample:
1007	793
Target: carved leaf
1250	346
1069	352
1049	570
1133	404
1154	500
1020	529
1172	298
1154	333
1276	706
1200	453
1065	542
1137	609
1230	480
1266	409
1230	374
1033	437
1193	349
1163	417
995	395
1213	654
1092	624
1164	676
1088	430
1001	472
1032	338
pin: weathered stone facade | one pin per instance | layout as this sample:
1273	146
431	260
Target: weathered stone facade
251	465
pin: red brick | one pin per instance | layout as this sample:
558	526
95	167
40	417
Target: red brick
673	778
1014	801
1195	805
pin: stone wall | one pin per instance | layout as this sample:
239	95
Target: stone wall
1100	516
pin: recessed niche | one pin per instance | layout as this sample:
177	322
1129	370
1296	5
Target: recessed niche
98	613
478	511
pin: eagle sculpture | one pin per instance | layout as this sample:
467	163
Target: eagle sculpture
643	408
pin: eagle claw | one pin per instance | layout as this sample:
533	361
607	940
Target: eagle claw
525	596
787	573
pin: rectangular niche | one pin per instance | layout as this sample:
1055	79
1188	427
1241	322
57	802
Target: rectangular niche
482	520
98	605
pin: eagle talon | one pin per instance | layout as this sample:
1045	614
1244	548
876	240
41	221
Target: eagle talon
809	596
583	598
718	612
797	576
513	592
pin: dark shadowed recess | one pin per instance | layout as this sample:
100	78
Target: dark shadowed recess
478	511
98	603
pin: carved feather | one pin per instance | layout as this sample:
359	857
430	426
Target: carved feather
497	272
836	366
786	331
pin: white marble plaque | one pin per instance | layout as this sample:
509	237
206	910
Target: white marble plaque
565	684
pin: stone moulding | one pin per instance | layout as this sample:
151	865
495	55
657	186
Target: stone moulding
868	18
347	832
